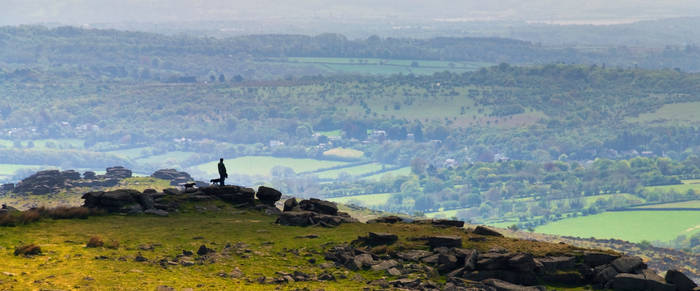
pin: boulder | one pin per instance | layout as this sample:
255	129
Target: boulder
493	261
378	238
594	259
413	255
469	257
501	285
319	206
384	265
444	241
89	175
386	219
118	172
296	218
682	282
482	230
627	264
175	177
146	201
268	195
231	194
291	205
522	262
604	273
552	264
448	223
363	261
639	282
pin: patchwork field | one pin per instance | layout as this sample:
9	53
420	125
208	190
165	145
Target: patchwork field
682	188
262	165
686	204
368	200
405	171
375	66
634	226
355	171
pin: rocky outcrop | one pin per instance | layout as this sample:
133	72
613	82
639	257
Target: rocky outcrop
499	269
53	181
312	212
230	193
175	177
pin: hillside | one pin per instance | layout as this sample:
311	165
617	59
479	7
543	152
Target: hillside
204	241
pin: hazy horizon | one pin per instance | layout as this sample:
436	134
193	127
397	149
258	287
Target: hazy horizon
82	12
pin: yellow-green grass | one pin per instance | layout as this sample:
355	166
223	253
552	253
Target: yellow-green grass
261	165
67	264
686	204
345	153
405	171
368	200
634	226
677	112
357	170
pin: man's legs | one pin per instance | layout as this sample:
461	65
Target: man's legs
221	180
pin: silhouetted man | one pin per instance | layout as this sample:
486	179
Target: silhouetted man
222	172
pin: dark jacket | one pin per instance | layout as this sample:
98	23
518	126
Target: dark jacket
222	170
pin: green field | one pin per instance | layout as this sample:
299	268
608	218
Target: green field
634	226
678	112
261	165
345	153
375	66
686	204
355	171
681	188
59	143
368	200
166	160
405	171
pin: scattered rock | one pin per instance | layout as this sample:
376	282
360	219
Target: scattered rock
384	265
386	219
448	223
445	241
413	255
204	250
157	212
482	230
378	238
594	259
165	288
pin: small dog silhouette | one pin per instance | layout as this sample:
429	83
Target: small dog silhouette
215	181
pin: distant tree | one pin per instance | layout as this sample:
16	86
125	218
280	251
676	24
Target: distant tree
222	78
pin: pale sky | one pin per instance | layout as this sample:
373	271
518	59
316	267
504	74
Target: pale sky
77	12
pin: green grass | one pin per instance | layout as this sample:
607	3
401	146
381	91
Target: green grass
261	165
67	264
345	153
686	204
633	226
681	188
368	200
357	170
686	112
405	171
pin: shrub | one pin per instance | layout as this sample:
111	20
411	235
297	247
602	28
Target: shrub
28	250
29	216
63	212
95	242
7	220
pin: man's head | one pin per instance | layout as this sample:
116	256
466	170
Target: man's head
221	160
